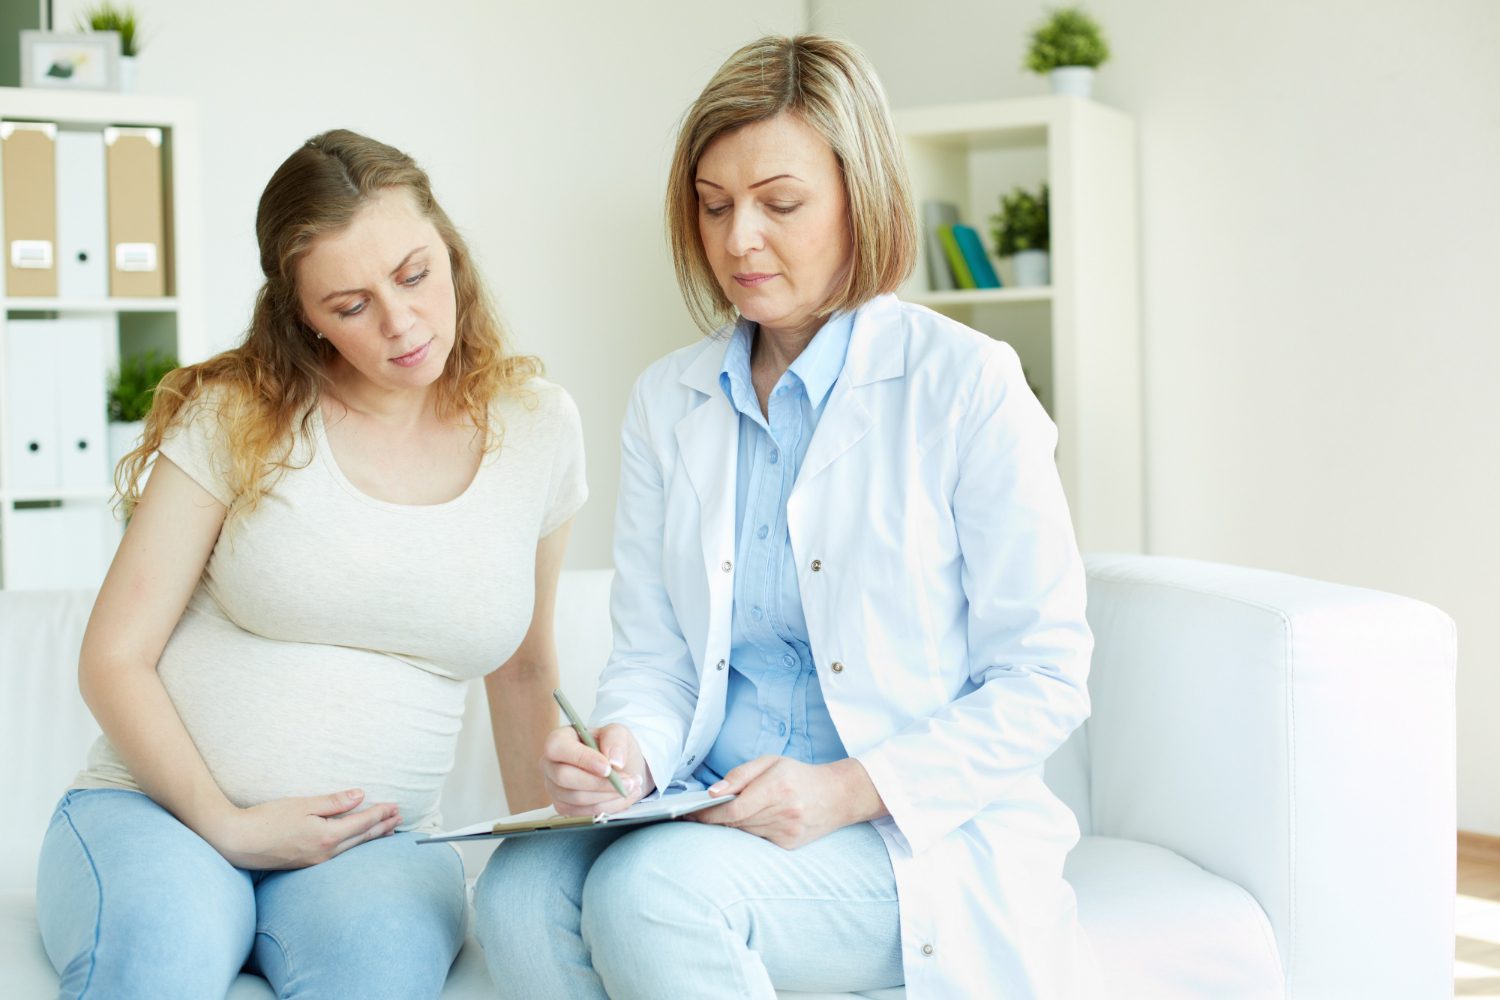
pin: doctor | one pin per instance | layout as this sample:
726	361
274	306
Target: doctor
847	590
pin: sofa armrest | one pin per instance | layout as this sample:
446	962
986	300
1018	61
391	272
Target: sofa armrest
1296	738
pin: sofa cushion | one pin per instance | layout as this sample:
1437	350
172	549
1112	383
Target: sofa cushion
1163	928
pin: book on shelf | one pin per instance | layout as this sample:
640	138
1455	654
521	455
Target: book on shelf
936	215
955	255
978	261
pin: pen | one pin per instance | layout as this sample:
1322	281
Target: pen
588	740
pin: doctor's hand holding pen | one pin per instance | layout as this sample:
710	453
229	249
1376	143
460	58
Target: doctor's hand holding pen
578	777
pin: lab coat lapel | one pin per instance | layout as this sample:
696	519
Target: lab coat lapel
708	443
876	352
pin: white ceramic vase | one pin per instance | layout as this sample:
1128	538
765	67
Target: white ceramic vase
123	439
1073	81
127	74
1033	269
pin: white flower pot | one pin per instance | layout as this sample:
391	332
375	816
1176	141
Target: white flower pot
1033	269
1073	81
127	74
123	439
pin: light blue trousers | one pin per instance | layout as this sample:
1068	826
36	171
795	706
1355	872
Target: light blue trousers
132	904
688	910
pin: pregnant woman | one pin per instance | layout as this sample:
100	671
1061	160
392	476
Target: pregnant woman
349	516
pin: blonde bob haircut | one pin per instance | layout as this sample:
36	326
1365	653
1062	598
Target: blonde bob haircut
266	387
830	86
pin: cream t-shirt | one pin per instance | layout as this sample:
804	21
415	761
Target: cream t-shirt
331	638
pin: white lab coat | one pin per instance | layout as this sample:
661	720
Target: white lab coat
944	598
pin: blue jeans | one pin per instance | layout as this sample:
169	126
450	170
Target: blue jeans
131	903
688	910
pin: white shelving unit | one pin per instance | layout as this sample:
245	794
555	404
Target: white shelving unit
1079	339
173	323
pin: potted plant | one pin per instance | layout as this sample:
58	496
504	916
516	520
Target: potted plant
1023	229
1068	47
130	399
109	17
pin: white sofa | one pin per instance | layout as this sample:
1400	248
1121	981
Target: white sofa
1266	786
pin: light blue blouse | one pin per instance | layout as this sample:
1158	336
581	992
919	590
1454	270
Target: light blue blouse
775	704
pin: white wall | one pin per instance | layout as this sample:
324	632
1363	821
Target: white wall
1321	284
1320	296
546	129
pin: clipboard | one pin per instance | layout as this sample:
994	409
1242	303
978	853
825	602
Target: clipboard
539	821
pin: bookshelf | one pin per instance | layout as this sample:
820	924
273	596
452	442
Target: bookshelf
1079	338
64	533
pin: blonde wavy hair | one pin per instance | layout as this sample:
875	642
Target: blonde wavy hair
272	380
831	86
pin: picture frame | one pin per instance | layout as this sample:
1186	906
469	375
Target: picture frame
59	60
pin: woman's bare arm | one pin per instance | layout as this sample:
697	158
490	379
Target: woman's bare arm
522	711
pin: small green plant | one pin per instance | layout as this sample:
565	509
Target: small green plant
109	17
1068	38
1023	223
131	388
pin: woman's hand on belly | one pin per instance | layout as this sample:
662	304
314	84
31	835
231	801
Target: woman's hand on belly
791	803
300	832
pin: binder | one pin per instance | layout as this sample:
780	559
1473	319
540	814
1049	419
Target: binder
137	248
82	271
29	153
82	407
972	248
55	404
60	547
961	272
936	215
31	414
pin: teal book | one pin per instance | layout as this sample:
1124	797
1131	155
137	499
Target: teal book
969	244
961	272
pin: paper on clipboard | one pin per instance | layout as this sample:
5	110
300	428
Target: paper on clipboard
548	820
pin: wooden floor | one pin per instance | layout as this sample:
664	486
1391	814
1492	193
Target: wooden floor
1476	971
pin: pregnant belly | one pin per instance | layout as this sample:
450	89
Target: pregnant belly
273	719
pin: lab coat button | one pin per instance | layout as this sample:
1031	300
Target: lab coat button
726	565
691	759
817	564
720	665
837	667
926	948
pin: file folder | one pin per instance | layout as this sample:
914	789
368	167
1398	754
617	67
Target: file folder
137	250
82	271
30	413
80	381
55	404
29	153
67	546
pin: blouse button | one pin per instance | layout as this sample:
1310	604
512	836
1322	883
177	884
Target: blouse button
837	667
726	565
817	564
